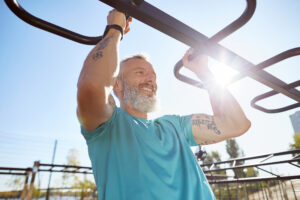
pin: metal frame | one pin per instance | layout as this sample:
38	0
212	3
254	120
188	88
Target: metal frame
232	164
208	169
43	167
167	24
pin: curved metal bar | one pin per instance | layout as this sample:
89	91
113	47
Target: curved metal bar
272	93
271	61
15	7
235	25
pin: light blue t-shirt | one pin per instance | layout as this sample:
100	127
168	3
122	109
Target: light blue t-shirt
134	158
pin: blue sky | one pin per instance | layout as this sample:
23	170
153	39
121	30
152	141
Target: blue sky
39	71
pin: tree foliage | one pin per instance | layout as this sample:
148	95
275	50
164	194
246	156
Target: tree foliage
72	159
213	156
234	151
86	185
233	148
296	144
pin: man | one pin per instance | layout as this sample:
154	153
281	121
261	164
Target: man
136	158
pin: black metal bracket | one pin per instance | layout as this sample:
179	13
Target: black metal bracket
172	27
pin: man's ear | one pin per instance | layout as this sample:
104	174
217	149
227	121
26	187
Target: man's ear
118	86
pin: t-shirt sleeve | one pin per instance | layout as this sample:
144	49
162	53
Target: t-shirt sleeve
100	130
186	126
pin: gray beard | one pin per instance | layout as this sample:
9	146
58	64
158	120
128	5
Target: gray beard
138	101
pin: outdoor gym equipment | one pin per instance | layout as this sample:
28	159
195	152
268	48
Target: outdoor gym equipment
152	16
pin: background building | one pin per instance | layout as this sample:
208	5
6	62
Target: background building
295	119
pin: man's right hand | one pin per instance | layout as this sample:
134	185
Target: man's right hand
119	18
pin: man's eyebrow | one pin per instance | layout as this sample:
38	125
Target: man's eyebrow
144	68
138	68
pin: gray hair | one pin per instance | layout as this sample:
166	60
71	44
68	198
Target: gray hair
142	56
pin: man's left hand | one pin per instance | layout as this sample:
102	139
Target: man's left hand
198	65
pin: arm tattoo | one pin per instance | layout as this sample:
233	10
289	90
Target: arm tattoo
207	142
207	121
111	101
99	50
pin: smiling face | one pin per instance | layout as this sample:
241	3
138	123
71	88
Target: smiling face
136	85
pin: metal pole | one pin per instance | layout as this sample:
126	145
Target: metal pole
283	190
281	195
269	190
25	188
293	190
228	191
245	191
266	193
238	191
259	192
53	157
263	191
34	171
276	191
219	186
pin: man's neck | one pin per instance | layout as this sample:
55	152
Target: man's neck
134	112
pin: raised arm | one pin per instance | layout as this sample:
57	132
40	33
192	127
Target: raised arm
96	80
228	118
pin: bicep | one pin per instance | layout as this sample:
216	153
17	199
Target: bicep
94	108
208	129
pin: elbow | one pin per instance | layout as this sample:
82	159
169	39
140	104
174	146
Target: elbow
243	127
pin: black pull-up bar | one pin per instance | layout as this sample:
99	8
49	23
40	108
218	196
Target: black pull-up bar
17	9
172	27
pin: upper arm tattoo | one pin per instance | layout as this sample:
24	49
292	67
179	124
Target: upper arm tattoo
99	50
206	121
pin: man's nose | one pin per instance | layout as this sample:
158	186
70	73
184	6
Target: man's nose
151	78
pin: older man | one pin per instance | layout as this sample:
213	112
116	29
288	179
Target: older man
134	157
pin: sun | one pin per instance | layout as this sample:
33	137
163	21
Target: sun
222	73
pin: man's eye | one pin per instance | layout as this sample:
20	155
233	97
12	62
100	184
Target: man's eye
139	72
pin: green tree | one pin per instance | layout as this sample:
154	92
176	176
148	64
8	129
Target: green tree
296	144
251	172
213	156
16	183
233	148
72	159
234	151
86	186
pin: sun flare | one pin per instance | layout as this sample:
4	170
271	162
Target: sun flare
222	73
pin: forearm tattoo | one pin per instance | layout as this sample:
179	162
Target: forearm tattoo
207	142
207	121
99	50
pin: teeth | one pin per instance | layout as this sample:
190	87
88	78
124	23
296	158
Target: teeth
147	89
